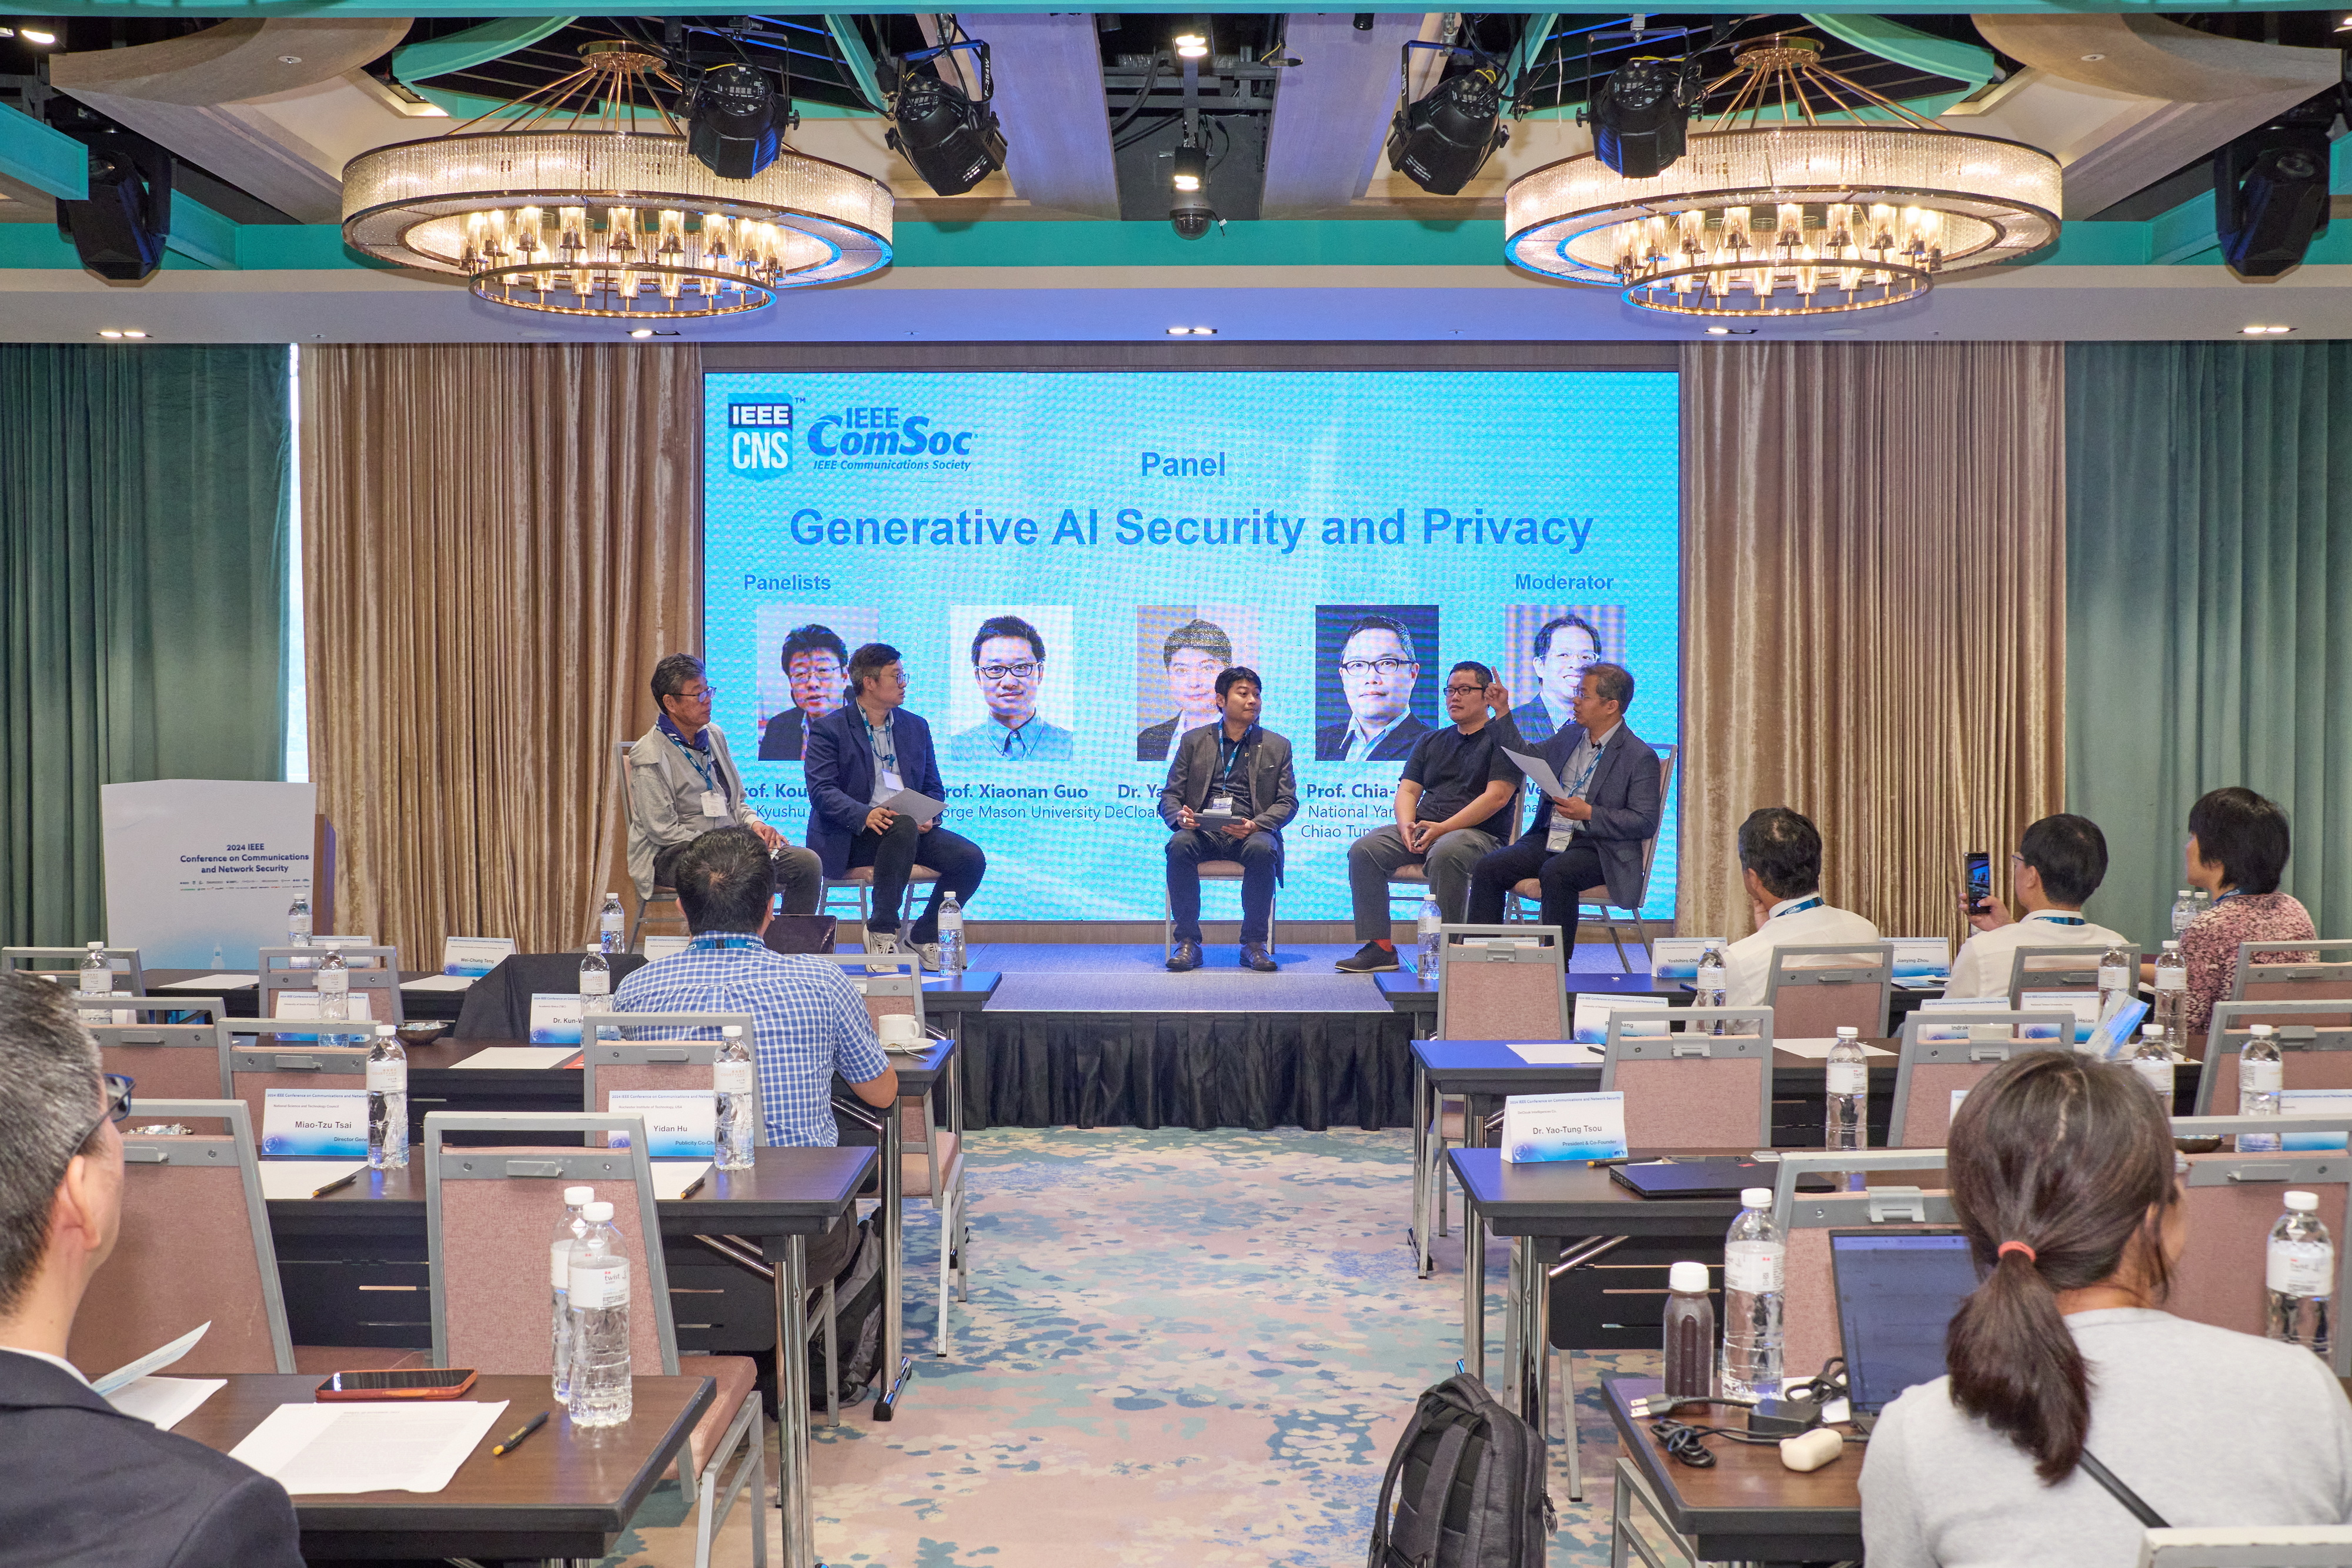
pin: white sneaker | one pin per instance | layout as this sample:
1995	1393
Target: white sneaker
929	954
881	943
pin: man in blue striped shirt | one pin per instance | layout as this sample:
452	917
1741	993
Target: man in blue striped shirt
810	1022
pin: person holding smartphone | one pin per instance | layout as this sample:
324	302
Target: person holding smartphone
2058	865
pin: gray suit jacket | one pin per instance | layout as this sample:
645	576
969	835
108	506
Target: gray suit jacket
1274	788
1626	808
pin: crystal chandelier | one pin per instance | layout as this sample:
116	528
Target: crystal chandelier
597	218
1792	214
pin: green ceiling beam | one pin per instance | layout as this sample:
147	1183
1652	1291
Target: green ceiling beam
48	161
855	55
203	235
1891	40
414	63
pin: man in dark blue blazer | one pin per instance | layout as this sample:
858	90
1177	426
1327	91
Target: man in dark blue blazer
85	1483
1599	832
858	756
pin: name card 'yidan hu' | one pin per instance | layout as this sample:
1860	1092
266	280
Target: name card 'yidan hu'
1539	1127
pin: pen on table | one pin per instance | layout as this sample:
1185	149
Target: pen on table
337	1184
1619	1160
695	1186
514	1440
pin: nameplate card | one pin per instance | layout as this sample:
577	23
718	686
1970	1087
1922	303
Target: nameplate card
1985	1031
314	1124
1591	1023
680	1123
2116	1026
2330	1102
555	1018
319	943
2083	1005
305	1005
474	955
1957	1095
660	947
1922	960
1676	958
1539	1128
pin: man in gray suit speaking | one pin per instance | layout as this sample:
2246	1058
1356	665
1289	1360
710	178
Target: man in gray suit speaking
1229	791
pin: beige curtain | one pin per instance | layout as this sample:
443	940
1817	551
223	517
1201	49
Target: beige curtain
499	542
1874	608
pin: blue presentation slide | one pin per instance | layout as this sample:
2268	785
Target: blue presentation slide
1066	561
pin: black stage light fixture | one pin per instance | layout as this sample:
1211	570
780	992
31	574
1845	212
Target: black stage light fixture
950	138
1641	116
1442	139
736	119
2269	193
1189	208
119	230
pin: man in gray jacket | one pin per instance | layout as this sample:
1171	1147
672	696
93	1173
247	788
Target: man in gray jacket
1228	793
683	783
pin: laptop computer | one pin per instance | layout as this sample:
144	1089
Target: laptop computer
1693	1178
1896	1292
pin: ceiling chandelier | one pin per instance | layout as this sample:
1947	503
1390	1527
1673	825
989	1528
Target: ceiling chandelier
597	218
1775	211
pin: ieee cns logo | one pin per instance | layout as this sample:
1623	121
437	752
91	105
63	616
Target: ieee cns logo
759	439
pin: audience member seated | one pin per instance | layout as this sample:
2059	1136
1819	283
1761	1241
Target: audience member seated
1780	867
2063	1175
85	1483
810	1020
2058	865
2237	851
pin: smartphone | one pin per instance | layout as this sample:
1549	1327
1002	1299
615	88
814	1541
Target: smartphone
419	1383
1979	880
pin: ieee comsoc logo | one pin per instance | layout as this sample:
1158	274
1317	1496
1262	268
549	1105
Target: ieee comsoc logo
759	439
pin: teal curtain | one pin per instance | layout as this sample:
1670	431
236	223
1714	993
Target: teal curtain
143	554
2209	597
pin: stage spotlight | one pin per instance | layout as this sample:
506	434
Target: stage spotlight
119	230
1189	208
950	138
735	120
2270	194
40	35
1193	43
1441	141
1642	114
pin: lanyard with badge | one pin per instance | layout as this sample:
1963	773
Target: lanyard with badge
884	743
1812	903
1221	795
714	798
1563	827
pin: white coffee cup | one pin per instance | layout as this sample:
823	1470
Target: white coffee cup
899	1029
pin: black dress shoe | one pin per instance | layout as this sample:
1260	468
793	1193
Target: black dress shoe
1369	959
1186	956
1256	957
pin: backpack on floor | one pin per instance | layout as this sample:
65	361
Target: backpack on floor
857	1322
1464	1488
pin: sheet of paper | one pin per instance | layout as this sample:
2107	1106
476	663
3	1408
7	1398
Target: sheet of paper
1818	1050
165	1402
440	983
282	1181
513	1056
209	983
1539	771
660	947
672	1177
1556	1052
411	1447
155	1360
916	804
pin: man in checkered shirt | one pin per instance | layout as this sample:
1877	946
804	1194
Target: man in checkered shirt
810	1022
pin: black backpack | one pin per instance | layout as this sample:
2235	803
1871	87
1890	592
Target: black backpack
1473	1487
857	1322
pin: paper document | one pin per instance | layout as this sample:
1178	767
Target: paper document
214	983
672	1177
1558	1052
406	1447
154	1360
916	804
440	983
285	1180
1539	771
165	1402
522	1056
1818	1049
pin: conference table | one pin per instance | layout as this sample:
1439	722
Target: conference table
1410	996
564	1495
245	1001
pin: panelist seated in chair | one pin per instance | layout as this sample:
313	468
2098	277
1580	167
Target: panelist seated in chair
86	1483
2062	1174
1595	833
683	783
1780	867
1229	791
1455	803
2058	865
856	758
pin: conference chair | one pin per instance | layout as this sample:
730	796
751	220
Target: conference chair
858	882
2319	978
1816	990
175	1060
254	1070
2238	1545
1941	1054
490	1305
1494	982
2059	970
1597	898
194	1247
653	1051
661	898
373	971
1694	1090
1812	1333
1217	870
2232	1200
64	966
2314	1041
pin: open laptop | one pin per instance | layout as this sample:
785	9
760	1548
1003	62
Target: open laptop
1896	1291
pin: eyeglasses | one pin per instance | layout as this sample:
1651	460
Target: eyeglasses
1466	691
706	695
993	674
117	1107
1358	669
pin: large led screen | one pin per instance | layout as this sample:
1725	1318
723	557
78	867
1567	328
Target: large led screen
1128	535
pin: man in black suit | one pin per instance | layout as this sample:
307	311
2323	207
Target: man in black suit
1377	669
1229	791
87	1484
1594	833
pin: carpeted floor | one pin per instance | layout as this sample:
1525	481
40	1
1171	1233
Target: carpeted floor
1183	1348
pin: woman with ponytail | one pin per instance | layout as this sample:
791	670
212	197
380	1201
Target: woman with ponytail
2063	1175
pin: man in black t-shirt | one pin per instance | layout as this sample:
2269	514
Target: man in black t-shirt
1454	805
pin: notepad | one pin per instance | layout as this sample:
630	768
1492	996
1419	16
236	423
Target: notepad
406	1446
511	1056
1818	1048
165	1402
673	1177
1558	1052
213	983
283	1181
441	983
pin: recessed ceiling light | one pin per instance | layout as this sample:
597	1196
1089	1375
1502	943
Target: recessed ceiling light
2263	332
132	332
2094	59
1180	331
1719	331
290	59
40	35
1192	45
641	332
109	332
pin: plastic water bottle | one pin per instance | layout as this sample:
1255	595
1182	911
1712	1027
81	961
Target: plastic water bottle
730	1077
568	1228
595	989
1755	1260
1428	929
1690	1335
2203	900
2171	1009
298	923
2116	978
1849	1092
2259	1075
2185	909
387	1093
97	979
2301	1274
599	1313
951	942
2152	1061
333	981
611	926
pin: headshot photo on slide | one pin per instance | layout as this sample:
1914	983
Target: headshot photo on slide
1546	648
1372	702
1011	687
803	673
1180	652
